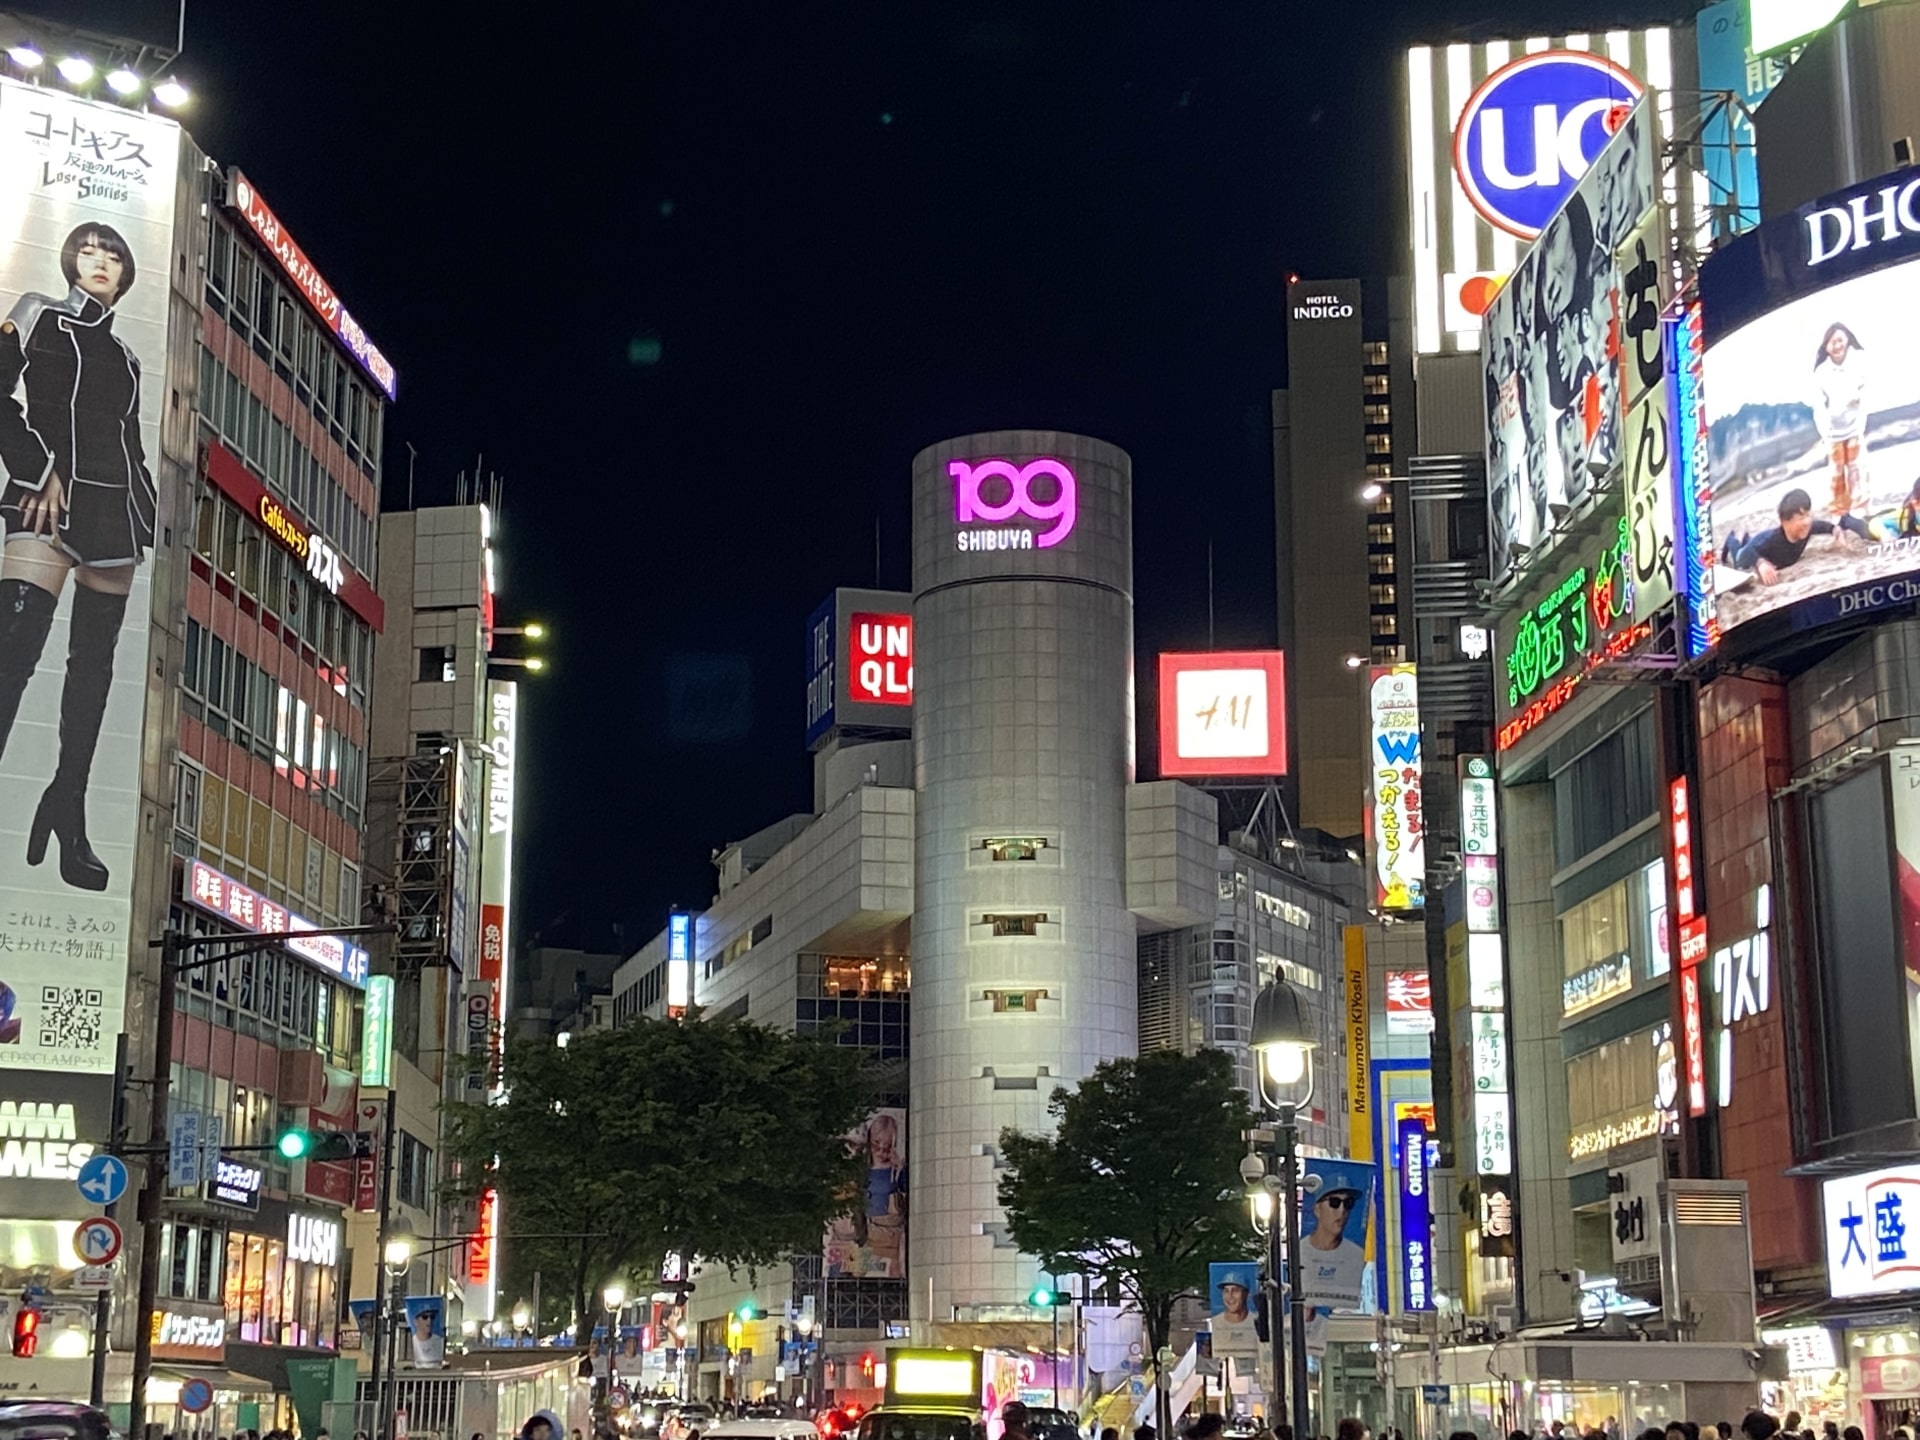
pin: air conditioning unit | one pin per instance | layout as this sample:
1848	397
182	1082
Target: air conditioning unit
1706	1258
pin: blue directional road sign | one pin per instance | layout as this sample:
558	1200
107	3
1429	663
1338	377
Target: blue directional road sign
103	1179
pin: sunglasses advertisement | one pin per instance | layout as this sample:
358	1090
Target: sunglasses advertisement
1335	1202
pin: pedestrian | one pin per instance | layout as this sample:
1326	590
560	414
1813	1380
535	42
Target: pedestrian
1145	1432
1758	1425
1352	1429
1013	1421
1853	1432
1206	1427
543	1425
1110	1433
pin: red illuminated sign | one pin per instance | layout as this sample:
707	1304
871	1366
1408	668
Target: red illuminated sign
311	284
229	474
480	1242
880	659
1694	1040
1223	712
1680	818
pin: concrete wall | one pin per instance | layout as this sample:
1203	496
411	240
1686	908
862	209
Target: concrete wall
1023	726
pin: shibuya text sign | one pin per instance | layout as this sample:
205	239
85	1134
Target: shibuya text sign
994	492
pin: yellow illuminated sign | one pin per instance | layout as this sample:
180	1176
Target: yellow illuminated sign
1358	1031
938	1374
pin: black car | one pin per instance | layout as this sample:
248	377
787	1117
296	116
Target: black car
52	1420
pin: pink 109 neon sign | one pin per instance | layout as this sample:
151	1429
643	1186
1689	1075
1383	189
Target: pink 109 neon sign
976	482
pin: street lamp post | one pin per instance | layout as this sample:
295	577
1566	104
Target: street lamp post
615	1296
1283	1044
1253	1170
397	1256
173	946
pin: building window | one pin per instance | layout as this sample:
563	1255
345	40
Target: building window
1376	352
1014	848
272	1300
1379	444
1028	923
1374	384
1381	594
1016	1002
436	665
190	1261
1379	413
1381	564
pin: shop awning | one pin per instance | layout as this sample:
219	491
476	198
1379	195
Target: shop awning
218	1378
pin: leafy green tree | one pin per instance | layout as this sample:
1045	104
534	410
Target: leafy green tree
724	1140
1139	1187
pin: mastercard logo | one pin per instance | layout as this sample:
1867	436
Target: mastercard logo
1476	293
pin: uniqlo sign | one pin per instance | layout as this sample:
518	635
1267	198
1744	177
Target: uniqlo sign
880	659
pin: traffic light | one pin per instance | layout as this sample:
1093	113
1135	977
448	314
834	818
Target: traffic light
748	1311
26	1331
298	1144
1043	1297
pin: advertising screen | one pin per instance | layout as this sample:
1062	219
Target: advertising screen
1811	387
1553	354
86	245
1397	826
1223	713
871	1242
1499	132
1337	1197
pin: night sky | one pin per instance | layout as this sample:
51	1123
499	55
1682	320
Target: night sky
698	279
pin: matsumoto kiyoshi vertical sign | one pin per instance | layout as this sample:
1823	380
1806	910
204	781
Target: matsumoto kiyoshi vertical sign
86	248
1396	834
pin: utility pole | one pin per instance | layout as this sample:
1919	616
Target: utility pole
153	1189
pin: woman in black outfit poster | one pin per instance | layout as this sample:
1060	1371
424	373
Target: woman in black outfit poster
79	502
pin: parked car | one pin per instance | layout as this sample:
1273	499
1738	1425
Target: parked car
782	1428
52	1420
920	1422
684	1422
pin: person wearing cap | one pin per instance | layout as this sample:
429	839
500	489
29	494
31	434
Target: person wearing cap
1232	1325
1333	1264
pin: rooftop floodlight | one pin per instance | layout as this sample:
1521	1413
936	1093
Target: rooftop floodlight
75	69
123	81
171	93
26	57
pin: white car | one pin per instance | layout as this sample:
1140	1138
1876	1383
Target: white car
760	1430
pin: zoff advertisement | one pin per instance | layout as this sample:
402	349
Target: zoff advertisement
1396	832
1553	353
86	214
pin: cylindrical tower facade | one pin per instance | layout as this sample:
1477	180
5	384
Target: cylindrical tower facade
1023	947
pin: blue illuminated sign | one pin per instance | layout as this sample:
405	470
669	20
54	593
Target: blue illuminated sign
1692	483
1532	129
1416	1218
679	928
822	641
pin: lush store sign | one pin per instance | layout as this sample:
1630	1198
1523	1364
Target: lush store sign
1580	620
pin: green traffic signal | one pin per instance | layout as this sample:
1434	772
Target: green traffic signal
1041	1298
293	1144
748	1311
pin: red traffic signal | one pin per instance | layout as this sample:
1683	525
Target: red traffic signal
26	1332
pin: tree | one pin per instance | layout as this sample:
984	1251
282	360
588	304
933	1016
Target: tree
1139	1188
724	1140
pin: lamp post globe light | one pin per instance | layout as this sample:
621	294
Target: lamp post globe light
397	1256
1283	1044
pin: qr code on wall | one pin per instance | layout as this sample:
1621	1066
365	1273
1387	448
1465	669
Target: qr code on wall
70	1017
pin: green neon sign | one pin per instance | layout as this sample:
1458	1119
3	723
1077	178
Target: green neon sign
1572	621
376	1034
